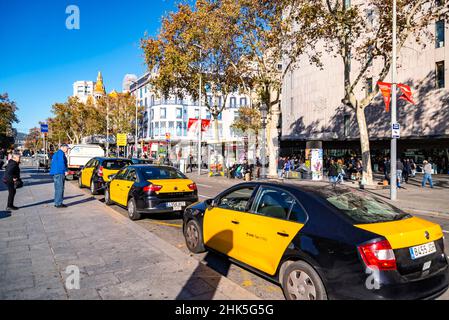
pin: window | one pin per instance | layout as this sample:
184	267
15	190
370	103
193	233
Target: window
274	203
233	102
171	127
439	34
140	93
347	4
115	164
236	115
131	175
161	173
179	129
220	116
197	113
163	128
152	100
156	129
440	75
297	214
178	113
121	174
146	102
236	200
208	116
243	102
347	125
163	113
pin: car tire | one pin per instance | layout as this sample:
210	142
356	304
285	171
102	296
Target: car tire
132	210
80	183
301	282
107	197
93	191
194	237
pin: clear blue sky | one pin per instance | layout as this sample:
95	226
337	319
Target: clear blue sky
40	58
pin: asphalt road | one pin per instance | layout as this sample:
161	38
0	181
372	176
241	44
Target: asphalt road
168	227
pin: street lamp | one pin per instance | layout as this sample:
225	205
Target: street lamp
393	155
200	102
264	114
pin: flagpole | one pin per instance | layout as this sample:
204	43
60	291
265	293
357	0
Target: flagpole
393	155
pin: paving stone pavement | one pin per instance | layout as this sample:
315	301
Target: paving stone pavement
117	258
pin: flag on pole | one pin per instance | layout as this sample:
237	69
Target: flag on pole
385	89
194	123
406	93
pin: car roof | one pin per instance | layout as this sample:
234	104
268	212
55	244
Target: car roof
112	159
143	166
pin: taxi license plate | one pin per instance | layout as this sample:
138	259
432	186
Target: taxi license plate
176	205
423	250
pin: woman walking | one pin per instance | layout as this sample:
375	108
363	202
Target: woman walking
11	178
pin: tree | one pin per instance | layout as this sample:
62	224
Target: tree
193	41
359	34
122	112
33	140
8	117
248	122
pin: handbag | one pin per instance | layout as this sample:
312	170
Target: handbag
18	183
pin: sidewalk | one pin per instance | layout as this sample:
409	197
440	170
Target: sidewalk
117	258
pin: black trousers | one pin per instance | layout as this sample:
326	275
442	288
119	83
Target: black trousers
11	194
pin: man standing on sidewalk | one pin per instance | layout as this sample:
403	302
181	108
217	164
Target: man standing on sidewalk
12	174
427	174
58	171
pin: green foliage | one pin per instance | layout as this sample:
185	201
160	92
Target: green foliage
8	117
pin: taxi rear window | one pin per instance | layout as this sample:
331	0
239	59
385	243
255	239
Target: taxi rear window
362	208
115	164
155	173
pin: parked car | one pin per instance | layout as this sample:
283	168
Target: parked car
79	155
320	242
150	189
96	173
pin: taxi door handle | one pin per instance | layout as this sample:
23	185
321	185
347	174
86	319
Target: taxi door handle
235	222
283	234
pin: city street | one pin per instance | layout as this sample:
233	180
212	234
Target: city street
37	243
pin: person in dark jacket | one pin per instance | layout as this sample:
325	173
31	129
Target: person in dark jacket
58	171
12	174
333	172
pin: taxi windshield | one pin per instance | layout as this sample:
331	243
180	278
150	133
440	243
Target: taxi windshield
115	164
159	173
363	208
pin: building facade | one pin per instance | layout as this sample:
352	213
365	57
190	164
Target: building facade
85	89
171	116
312	108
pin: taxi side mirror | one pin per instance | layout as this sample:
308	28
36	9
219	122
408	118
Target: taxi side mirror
210	203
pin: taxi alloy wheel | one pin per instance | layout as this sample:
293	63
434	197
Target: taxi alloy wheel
107	198
132	210
80	183
302	282
93	191
193	236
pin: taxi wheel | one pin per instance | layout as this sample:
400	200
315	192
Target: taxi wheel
107	197
302	282
132	210
194	237
93	191
80	184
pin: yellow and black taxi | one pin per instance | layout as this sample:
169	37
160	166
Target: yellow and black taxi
95	174
151	189
320	242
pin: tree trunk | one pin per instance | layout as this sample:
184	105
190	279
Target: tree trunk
365	146
273	140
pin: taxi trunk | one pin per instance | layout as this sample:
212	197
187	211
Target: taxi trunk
416	248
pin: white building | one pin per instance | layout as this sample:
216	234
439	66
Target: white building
83	89
162	116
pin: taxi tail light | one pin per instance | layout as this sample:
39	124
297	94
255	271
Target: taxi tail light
192	186
378	254
100	172
152	188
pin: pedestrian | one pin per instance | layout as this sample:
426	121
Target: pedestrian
412	168
427	174
333	172
59	171
386	168
191	163
11	178
399	169
2	158
407	170
281	164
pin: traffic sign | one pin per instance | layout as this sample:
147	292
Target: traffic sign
396	131
44	128
122	140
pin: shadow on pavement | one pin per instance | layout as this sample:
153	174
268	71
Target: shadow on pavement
5	214
197	287
47	202
80	201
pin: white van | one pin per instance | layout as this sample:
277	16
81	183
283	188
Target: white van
80	154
